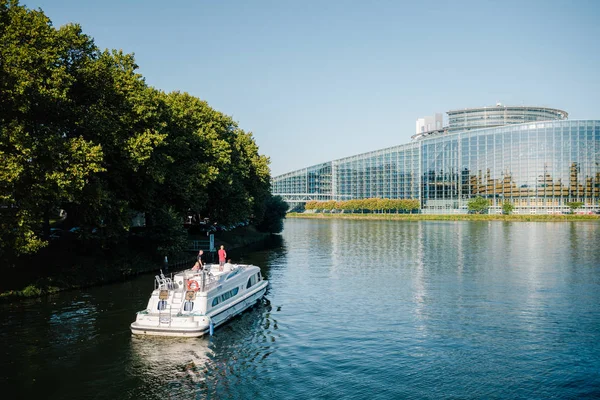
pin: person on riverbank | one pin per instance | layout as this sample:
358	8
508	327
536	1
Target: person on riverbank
199	265
222	256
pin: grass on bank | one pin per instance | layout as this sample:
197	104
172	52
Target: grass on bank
450	217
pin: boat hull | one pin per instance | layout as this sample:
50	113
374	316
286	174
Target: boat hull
159	331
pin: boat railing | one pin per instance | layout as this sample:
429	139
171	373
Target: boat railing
159	283
207	280
163	283
167	280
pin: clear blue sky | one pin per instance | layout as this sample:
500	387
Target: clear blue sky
320	80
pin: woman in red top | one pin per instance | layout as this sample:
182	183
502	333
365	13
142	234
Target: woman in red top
222	257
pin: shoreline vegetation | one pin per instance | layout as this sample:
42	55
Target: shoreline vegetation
450	217
123	265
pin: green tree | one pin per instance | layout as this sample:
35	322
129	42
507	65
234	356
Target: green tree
354	205
310	205
329	205
195	156
370	204
275	210
167	234
382	205
43	159
413	205
126	118
574	205
478	205
507	207
242	181
81	130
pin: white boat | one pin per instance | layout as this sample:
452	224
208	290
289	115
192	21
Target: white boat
193	303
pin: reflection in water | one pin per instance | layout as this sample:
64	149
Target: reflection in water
419	284
208	367
165	361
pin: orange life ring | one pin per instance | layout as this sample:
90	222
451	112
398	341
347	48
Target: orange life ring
193	285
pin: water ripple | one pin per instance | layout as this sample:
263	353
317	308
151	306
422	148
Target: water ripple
355	309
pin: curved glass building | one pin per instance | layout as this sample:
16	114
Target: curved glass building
532	157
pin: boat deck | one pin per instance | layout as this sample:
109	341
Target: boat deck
212	275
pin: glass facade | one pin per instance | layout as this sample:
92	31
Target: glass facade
391	173
312	183
473	118
538	167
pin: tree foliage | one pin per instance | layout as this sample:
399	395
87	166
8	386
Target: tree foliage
507	207
478	205
574	205
44	159
80	130
273	216
361	205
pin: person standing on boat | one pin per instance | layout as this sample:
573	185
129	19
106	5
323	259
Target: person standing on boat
199	264
222	256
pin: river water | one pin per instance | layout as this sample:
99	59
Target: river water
355	310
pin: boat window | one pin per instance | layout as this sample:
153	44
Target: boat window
234	291
229	294
188	306
225	296
162	305
232	274
252	280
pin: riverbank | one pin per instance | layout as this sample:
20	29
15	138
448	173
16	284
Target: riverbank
451	217
100	267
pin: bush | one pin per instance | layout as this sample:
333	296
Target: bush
372	204
507	208
574	205
31	291
478	205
